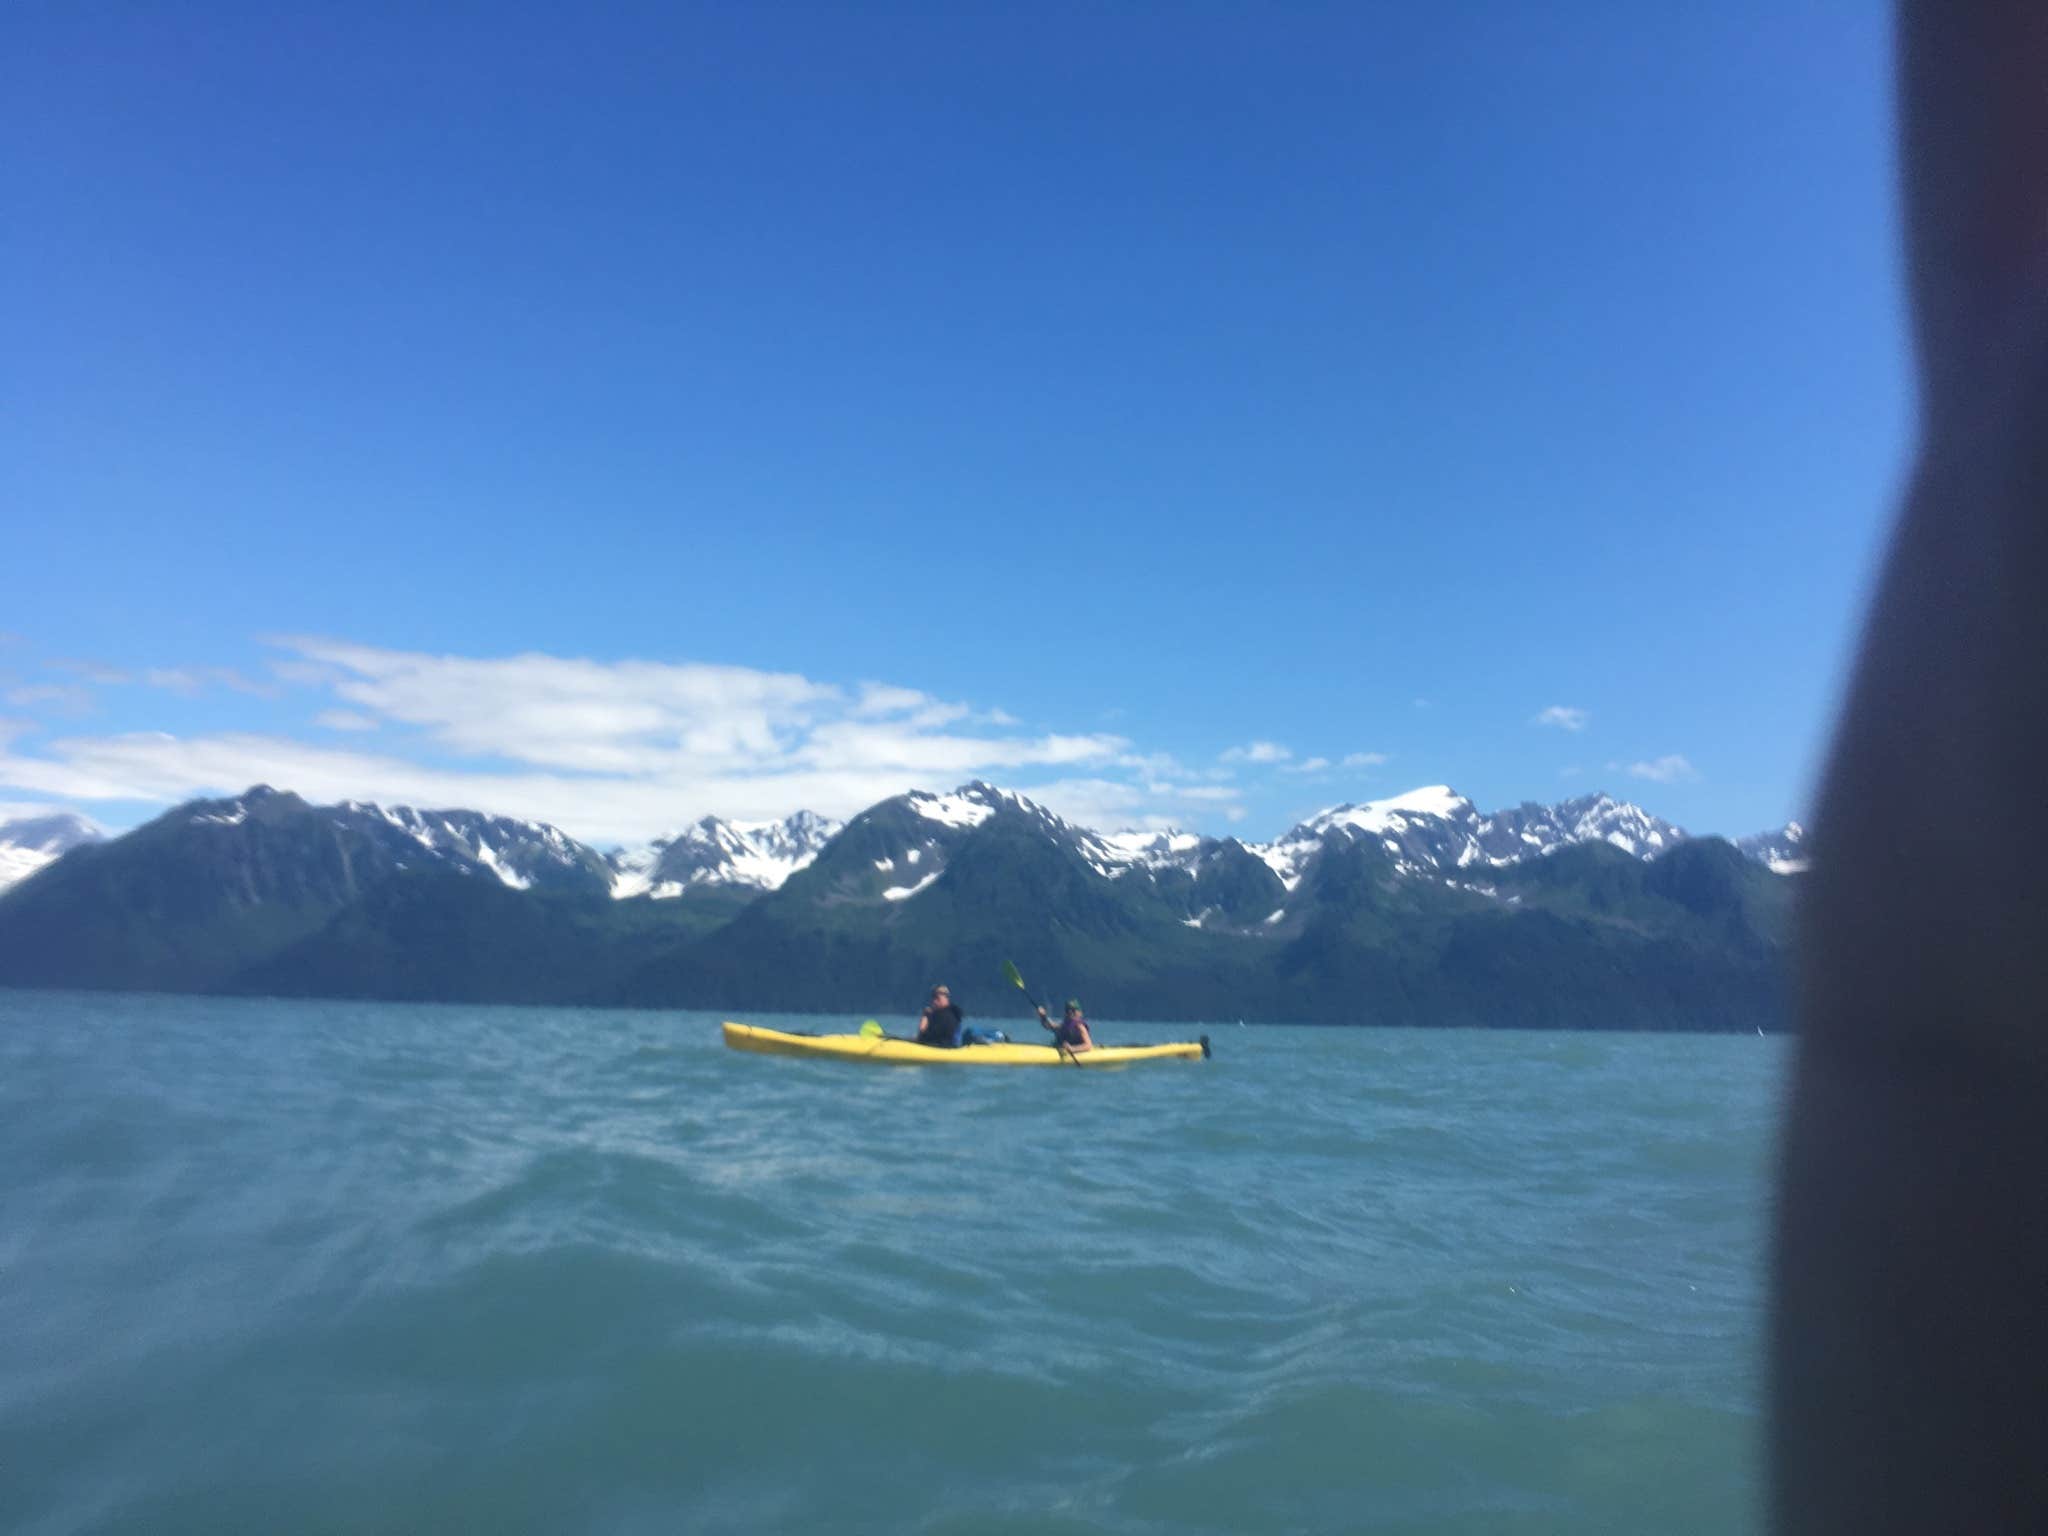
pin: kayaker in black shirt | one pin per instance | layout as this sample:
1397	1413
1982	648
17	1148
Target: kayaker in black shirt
940	1023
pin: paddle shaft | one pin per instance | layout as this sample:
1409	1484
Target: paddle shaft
1057	1043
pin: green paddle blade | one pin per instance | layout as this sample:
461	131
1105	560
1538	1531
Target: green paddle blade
871	1030
1016	979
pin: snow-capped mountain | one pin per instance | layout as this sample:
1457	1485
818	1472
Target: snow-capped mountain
1401	908
898	848
715	852
521	854
1783	852
1586	819
1436	831
29	842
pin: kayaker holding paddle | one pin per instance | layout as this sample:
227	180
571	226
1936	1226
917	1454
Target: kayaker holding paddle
1071	1032
939	1024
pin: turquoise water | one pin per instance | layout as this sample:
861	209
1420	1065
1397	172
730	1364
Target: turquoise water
349	1267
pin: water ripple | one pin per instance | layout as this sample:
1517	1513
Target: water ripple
352	1267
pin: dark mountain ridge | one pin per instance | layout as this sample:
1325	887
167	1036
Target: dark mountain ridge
265	893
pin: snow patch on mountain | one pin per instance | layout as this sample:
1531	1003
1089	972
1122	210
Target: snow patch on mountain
1434	830
962	809
1147	850
713	852
1783	852
518	853
1432	800
487	856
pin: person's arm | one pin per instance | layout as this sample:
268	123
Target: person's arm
1910	1313
924	1023
1045	1018
1087	1040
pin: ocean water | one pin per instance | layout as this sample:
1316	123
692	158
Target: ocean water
348	1267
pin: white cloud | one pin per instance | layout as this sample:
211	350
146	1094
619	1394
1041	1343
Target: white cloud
344	720
1573	772
153	766
610	751
858	744
585	716
1215	793
1257	752
304	674
1157	765
1669	769
1364	759
1105	804
190	682
69	698
1308	765
27	810
1112	805
1564	717
883	699
94	672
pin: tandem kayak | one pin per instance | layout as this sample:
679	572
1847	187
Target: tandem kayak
908	1053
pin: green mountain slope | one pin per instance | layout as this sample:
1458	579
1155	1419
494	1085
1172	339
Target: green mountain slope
269	895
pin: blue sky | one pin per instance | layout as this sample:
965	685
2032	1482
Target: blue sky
618	414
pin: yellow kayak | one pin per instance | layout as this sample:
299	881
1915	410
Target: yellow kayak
908	1053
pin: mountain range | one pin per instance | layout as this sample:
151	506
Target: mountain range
1415	909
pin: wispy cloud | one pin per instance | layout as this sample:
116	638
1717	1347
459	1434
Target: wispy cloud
1307	765
93	671
152	766
1564	717
1115	805
344	720
885	699
608	750
1669	769
1216	793
1108	804
190	682
66	698
22	810
1364	759
1257	752
1154	765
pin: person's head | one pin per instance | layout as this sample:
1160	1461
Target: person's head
940	996
1073	1008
